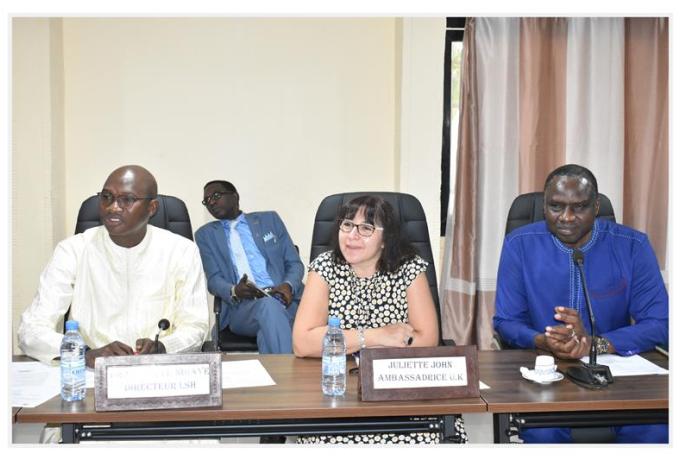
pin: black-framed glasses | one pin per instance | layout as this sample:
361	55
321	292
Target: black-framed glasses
124	201
364	229
210	199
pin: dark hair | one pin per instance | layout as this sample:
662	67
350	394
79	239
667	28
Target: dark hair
228	186
573	170
377	212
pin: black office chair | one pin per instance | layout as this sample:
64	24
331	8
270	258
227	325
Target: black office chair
409	212
171	215
234	343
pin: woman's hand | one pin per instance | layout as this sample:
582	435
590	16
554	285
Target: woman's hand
392	335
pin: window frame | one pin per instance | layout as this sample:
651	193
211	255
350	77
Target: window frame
455	31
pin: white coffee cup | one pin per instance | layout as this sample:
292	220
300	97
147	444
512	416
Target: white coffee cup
545	366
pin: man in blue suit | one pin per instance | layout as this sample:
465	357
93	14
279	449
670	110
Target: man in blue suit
243	256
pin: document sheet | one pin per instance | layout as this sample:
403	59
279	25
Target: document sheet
622	366
32	383
242	374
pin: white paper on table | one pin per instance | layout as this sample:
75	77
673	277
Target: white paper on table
623	366
483	386
242	374
33	383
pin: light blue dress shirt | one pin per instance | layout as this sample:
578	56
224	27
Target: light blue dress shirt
250	260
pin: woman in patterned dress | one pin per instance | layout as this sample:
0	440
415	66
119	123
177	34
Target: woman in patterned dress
375	283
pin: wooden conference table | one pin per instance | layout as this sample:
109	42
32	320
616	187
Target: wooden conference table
516	402
295	405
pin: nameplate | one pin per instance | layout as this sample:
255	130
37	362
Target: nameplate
160	381
390	374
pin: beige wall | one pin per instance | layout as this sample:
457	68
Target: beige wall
37	153
290	110
422	97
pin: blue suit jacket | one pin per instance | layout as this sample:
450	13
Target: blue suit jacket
283	260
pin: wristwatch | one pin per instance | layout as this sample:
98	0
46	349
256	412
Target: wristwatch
601	345
362	338
234	297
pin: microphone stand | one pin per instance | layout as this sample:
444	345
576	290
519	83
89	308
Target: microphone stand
162	325
217	308
592	375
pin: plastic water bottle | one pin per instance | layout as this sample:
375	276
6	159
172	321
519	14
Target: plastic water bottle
333	360
72	364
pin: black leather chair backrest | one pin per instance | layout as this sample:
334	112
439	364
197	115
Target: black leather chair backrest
408	211
528	208
172	215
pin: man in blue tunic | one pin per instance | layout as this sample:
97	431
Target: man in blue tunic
539	298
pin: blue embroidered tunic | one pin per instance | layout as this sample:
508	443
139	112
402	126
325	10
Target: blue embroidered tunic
536	273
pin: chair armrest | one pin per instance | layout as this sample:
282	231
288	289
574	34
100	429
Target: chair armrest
498	343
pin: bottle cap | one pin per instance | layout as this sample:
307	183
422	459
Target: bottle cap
71	325
333	321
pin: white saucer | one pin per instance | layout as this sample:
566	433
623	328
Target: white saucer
556	377
529	374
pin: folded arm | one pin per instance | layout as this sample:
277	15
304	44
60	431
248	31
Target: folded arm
37	333
512	319
189	325
648	307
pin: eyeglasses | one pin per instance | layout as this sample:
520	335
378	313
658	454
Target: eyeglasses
214	197
365	230
124	201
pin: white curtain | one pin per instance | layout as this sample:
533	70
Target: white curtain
595	108
549	91
498	45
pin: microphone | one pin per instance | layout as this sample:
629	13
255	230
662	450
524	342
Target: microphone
162	326
577	257
217	309
592	375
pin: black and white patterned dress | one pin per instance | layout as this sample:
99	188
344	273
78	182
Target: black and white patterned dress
372	302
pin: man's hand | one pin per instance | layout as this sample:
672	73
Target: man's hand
571	320
148	347
113	349
246	290
573	348
285	291
569	341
